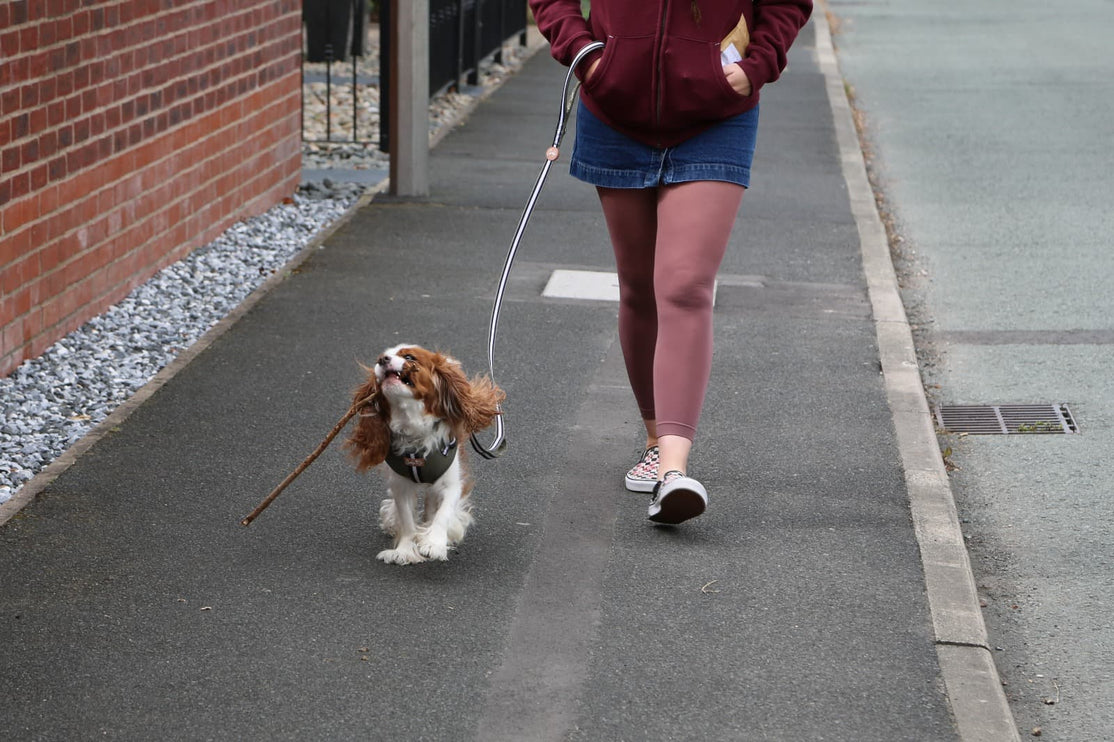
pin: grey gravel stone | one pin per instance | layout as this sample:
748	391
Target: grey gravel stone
51	401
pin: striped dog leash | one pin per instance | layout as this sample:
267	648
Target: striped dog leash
568	97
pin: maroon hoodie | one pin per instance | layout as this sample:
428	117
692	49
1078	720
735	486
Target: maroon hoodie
660	79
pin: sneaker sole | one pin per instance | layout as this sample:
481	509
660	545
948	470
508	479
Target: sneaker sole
678	506
640	485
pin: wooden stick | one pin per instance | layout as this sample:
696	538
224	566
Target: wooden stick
309	460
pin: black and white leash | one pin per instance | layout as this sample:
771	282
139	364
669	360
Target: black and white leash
568	97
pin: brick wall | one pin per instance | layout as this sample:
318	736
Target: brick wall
131	132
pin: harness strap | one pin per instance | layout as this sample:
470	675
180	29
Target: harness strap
568	97
425	469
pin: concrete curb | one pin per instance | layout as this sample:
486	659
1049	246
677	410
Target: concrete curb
971	680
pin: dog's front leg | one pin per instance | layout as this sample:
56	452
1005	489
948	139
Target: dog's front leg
398	516
446	524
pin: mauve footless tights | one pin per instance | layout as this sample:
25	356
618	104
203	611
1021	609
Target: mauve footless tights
669	242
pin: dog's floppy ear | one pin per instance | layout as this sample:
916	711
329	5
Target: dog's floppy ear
370	442
468	405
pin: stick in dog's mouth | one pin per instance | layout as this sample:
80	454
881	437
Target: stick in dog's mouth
404	379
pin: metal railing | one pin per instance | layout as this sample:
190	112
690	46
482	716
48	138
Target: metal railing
335	31
462	34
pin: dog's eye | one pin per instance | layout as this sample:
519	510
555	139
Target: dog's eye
409	357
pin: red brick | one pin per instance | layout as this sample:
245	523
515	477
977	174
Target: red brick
21	184
48	200
9	102
64	29
209	135
21	125
73	107
19	213
55	113
10	159
29	95
11	347
57	168
9	44
19	303
40	176
13	247
29	38
20	273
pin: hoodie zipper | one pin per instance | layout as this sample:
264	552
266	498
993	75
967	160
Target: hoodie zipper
659	55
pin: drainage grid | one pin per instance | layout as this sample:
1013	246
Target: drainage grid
1006	419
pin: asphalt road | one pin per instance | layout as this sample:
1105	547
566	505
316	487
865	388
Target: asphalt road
990	126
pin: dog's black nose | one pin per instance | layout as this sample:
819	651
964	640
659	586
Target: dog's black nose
384	360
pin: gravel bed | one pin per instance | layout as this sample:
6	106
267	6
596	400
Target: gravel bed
50	402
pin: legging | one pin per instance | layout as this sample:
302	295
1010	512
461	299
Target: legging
669	242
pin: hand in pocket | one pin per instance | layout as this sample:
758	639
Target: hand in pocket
737	79
591	70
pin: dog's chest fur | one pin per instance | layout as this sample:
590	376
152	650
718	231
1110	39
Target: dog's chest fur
413	429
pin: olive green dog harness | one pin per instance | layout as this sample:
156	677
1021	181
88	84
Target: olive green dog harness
423	469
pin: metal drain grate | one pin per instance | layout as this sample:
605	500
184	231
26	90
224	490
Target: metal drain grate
1006	419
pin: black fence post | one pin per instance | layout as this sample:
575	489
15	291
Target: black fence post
385	76
459	45
501	35
477	43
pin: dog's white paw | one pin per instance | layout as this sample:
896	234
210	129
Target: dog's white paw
403	554
388	517
434	546
458	525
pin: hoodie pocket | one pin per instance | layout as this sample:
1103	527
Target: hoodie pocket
694	88
622	85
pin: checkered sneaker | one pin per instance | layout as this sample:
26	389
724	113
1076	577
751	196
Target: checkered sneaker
643	477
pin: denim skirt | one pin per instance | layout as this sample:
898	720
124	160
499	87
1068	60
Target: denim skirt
604	157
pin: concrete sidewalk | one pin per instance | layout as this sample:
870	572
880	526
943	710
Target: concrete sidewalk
136	607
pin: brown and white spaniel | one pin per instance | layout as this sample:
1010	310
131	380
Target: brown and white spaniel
422	408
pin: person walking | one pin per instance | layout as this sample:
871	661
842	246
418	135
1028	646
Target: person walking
666	127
